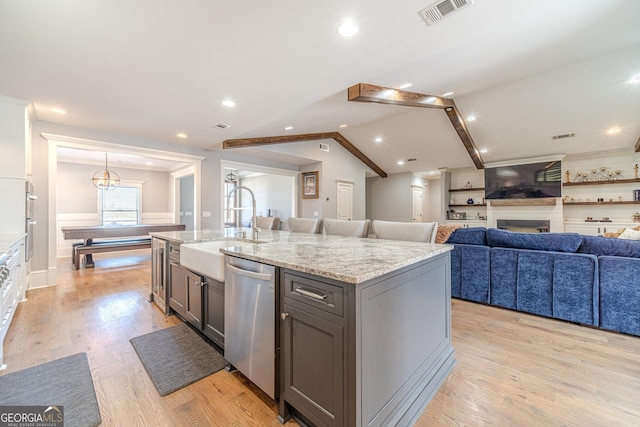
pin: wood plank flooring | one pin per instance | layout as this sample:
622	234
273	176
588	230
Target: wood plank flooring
513	369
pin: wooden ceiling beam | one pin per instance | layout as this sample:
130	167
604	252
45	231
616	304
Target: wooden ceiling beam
283	139
461	128
363	92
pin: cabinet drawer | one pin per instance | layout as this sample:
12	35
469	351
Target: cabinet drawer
174	252
324	296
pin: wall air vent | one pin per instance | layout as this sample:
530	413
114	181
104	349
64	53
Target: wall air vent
324	147
222	126
564	135
441	9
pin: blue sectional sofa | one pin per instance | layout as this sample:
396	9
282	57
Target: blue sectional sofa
584	279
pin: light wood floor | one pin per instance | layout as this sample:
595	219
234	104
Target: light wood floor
513	369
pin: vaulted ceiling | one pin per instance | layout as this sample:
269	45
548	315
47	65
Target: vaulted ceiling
527	70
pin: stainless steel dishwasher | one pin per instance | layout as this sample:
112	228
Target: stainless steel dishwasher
249	321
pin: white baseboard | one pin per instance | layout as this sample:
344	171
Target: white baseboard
42	278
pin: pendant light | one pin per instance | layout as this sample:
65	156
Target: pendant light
105	179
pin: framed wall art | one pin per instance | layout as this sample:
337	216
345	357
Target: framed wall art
310	185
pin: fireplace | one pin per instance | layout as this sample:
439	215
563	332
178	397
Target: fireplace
524	225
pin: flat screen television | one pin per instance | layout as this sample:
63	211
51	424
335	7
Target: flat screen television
533	180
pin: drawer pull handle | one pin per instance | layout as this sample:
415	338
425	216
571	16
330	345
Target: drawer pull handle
284	316
311	294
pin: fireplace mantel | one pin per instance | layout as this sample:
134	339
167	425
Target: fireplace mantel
547	201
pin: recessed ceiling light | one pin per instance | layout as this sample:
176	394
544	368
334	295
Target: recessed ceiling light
343	126
378	139
447	94
635	79
228	103
471	118
149	163
613	131
181	135
348	28
288	128
406	85
400	162
57	110
484	151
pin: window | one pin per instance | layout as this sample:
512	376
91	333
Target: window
120	205
230	203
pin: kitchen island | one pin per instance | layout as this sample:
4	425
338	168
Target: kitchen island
363	326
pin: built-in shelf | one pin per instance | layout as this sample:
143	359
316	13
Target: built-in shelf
613	181
624	202
453	190
466	205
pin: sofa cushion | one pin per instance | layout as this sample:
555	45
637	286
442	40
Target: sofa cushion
606	246
469	236
553	242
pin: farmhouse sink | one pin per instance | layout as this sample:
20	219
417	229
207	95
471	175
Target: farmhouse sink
205	257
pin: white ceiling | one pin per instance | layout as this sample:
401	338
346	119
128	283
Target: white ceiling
527	69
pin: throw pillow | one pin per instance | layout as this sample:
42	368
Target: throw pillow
630	234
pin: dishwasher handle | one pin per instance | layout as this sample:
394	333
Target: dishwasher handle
251	274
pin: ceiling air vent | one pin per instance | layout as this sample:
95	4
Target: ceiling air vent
222	126
564	135
437	11
324	147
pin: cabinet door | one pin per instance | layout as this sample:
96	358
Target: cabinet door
195	290
313	364
178	288
214	311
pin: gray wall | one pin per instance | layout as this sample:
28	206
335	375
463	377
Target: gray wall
186	201
337	164
391	198
273	192
211	185
76	193
434	208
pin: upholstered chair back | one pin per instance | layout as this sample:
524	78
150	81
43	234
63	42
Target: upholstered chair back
305	225
268	222
343	227
407	231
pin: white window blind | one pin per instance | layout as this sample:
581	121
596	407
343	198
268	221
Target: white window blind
121	205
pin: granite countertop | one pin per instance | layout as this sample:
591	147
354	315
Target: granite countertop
194	236
347	259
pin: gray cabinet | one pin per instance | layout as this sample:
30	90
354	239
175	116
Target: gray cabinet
194	301
178	288
368	354
186	294
159	273
213	322
197	299
313	342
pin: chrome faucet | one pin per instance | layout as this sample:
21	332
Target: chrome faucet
254	226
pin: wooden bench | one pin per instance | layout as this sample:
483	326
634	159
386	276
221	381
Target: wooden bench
108	246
